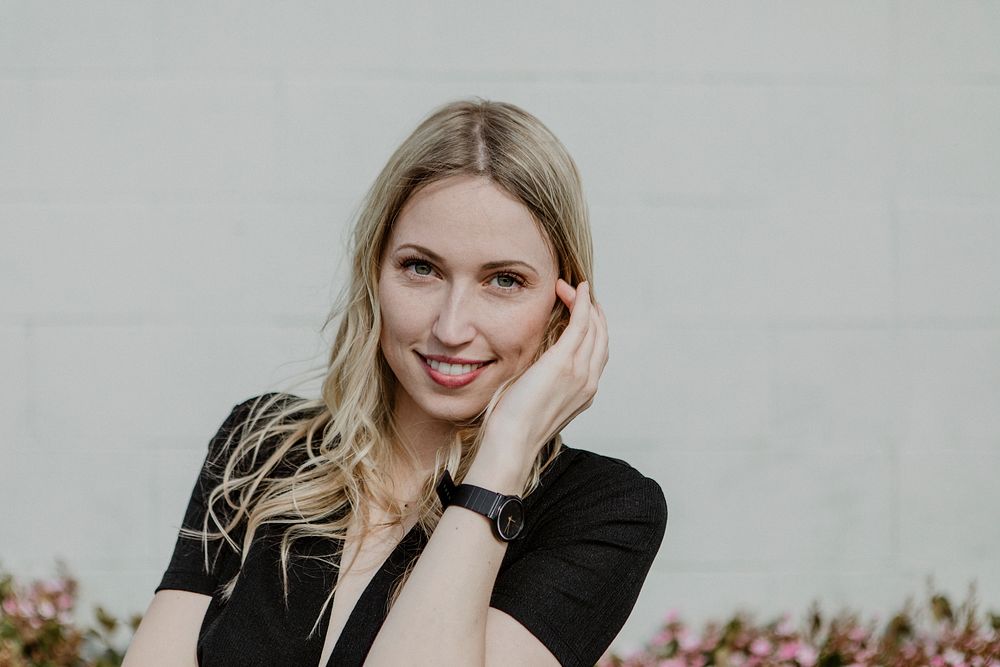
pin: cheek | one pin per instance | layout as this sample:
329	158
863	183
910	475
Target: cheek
521	335
396	315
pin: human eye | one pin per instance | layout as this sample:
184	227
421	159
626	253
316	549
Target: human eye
420	267
508	282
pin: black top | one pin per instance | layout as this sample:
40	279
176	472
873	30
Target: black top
593	527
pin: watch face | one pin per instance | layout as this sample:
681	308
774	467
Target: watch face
510	519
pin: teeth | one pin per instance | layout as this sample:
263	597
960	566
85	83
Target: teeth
452	369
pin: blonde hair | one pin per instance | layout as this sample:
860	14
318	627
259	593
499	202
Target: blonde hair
346	437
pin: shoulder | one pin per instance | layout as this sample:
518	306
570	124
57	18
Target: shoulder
582	474
593	527
594	488
236	423
267	404
268	415
281	408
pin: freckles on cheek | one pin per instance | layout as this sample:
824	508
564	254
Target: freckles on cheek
524	332
402	317
388	311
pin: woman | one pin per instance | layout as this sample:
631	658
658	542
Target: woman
424	510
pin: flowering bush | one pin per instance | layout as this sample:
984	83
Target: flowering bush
37	628
948	638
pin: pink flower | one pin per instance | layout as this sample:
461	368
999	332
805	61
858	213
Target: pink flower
786	627
953	657
46	609
64	601
10	606
788	650
761	647
53	586
672	616
26	608
806	656
671	662
937	661
689	642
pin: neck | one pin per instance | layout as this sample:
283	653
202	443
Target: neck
419	435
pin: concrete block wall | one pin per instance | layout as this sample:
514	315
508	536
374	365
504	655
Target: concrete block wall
797	226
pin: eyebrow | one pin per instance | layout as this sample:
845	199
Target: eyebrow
499	264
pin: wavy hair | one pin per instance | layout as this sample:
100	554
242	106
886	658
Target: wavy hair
311	467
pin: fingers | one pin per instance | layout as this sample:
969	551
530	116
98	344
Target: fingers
584	353
599	359
585	339
579	319
592	355
566	293
582	358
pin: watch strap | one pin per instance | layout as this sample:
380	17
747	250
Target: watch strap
477	499
446	489
488	503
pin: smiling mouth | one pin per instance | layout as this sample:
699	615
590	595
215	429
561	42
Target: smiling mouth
453	374
453	369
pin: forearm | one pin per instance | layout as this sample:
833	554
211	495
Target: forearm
440	615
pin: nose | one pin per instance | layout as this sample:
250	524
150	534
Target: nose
454	325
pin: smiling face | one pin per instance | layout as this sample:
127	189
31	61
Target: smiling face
466	288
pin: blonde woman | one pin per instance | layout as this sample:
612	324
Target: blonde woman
424	510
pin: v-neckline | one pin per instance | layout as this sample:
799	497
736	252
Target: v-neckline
383	578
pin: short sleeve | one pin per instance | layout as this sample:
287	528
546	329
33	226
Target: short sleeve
579	574
186	570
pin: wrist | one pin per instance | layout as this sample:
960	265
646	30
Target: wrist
500	464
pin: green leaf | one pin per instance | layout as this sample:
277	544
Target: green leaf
107	621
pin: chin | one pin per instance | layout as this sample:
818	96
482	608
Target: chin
461	416
456	412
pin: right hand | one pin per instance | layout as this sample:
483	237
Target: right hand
560	385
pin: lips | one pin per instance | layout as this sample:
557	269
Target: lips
452	371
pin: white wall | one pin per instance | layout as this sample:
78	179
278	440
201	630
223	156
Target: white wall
797	221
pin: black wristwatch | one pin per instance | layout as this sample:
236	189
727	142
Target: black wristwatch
506	513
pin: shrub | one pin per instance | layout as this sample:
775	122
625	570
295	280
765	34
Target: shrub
37	630
37	627
945	636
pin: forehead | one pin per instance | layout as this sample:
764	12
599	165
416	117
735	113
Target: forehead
468	217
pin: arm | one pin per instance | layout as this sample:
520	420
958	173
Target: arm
168	633
580	570
442	615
